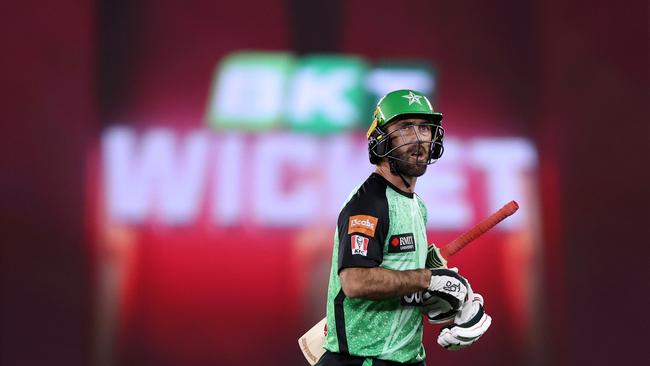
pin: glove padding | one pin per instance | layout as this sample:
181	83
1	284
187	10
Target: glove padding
470	323
436	309
445	296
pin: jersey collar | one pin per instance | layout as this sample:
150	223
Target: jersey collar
392	186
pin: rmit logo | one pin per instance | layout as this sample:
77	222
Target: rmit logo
401	243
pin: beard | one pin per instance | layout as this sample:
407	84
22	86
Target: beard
410	165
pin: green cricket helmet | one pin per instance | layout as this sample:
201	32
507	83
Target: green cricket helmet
398	105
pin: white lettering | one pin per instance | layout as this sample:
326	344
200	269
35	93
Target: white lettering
153	176
504	162
365	223
345	165
228	190
286	179
445	190
283	193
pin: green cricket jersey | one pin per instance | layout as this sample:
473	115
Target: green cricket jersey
379	226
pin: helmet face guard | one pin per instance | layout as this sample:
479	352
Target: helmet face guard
396	106
386	145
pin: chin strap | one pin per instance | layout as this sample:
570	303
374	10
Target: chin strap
393	169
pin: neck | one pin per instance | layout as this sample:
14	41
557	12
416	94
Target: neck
384	170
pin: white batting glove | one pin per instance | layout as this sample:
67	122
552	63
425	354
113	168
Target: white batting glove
445	296
470	323
436	309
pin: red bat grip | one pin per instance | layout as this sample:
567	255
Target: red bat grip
479	229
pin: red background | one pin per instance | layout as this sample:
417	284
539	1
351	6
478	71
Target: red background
571	76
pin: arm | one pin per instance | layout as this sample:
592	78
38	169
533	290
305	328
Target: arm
380	283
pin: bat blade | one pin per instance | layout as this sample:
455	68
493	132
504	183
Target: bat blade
311	343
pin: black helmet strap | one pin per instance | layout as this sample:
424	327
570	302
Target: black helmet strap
395	170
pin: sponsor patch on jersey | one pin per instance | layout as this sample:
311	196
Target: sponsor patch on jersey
359	245
401	243
362	224
414	299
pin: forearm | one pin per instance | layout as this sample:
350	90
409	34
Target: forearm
381	283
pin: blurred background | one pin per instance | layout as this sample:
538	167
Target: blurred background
172	172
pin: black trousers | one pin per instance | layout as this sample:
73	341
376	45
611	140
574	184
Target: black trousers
339	359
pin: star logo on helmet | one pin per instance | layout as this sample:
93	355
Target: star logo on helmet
412	98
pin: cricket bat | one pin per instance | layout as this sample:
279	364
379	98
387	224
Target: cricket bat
311	343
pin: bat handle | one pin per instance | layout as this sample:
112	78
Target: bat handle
479	229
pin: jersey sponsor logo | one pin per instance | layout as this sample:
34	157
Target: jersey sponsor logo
414	299
452	287
362	224
401	243
359	245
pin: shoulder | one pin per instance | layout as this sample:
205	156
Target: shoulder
366	210
369	198
420	202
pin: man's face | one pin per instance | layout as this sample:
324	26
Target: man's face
412	137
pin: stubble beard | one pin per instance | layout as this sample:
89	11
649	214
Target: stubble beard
407	166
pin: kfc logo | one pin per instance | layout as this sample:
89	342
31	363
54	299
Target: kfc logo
359	245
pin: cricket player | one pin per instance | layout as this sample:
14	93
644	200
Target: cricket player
379	287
